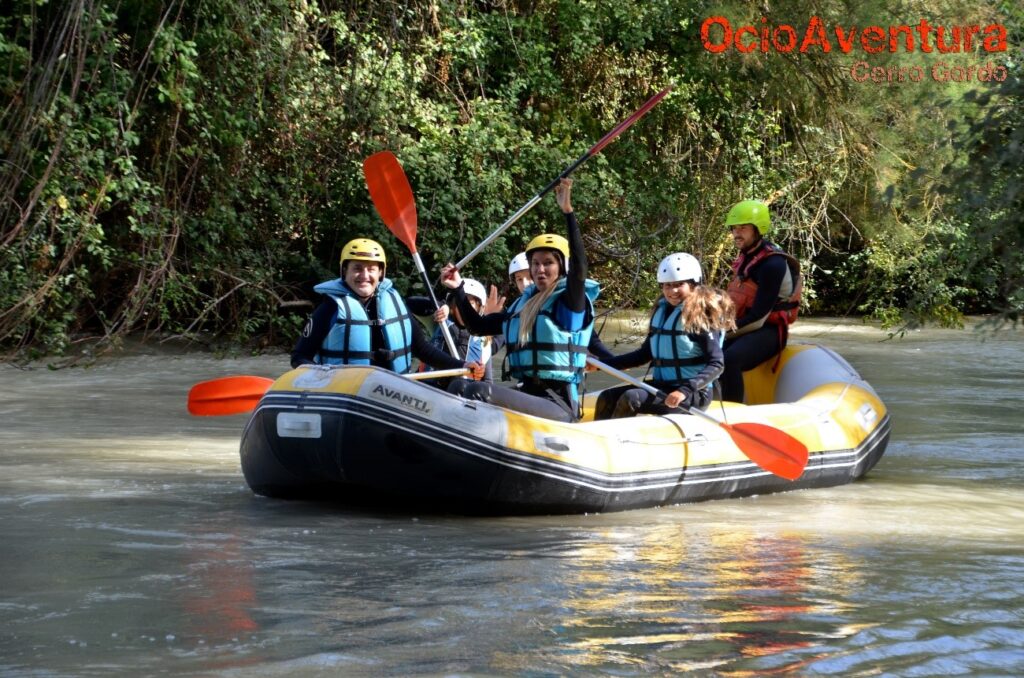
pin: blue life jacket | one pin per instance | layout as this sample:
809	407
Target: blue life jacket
675	357
349	342
471	348
550	352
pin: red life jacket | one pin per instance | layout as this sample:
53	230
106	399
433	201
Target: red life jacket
742	289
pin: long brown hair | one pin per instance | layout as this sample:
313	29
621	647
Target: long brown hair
707	309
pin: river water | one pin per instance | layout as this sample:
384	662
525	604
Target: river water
132	546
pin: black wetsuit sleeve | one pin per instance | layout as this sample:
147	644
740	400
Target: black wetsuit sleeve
709	343
313	335
640	356
430	354
768	274
598	349
575	298
420	305
479	325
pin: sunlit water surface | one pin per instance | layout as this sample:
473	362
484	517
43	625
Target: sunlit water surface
131	545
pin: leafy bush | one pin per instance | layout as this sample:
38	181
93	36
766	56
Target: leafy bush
192	169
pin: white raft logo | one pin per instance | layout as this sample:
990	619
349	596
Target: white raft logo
403	399
314	376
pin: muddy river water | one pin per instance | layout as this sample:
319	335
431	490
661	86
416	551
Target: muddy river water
132	546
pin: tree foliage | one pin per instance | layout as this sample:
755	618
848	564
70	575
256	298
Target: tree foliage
191	168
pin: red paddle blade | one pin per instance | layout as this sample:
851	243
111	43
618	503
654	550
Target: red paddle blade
392	196
229	395
770	448
628	122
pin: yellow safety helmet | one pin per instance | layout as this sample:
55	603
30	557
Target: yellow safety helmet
363	249
550	241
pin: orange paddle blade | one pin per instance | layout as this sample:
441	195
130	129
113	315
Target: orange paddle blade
770	448
392	196
228	395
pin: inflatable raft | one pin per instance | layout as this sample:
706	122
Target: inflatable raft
358	433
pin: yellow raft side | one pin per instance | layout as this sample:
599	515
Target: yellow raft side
759	383
366	432
847	413
635	445
323	380
831	416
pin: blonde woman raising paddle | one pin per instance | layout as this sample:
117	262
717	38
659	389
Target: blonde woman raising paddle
547	329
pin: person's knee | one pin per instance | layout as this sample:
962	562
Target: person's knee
458	386
629	403
471	390
604	407
701	399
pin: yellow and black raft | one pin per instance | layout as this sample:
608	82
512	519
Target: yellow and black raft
358	433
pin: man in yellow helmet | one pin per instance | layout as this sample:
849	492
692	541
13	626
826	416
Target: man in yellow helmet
363	320
765	288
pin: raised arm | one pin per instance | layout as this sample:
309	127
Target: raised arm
481	326
575	298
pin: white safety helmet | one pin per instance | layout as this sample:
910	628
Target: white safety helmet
679	267
474	288
519	263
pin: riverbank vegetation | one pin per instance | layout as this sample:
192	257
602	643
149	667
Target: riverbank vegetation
190	169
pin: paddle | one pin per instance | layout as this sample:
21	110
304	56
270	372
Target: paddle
228	395
594	150
392	196
770	448
235	395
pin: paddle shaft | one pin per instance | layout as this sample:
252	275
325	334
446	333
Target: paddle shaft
452	348
235	395
392	197
647	387
438	374
628	378
770	448
594	150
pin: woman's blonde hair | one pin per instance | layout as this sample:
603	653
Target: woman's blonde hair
707	309
528	316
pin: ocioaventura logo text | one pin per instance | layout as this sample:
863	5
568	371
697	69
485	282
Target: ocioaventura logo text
718	35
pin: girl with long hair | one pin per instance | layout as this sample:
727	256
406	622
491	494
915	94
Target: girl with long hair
683	345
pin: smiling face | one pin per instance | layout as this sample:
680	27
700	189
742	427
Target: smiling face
544	268
362	277
522	280
745	236
677	292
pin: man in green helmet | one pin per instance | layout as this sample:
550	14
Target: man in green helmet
765	288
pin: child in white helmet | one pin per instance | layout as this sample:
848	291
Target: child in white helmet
519	272
473	349
683	345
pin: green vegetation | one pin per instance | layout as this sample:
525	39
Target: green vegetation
190	169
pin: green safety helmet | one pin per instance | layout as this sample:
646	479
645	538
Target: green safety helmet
750	212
